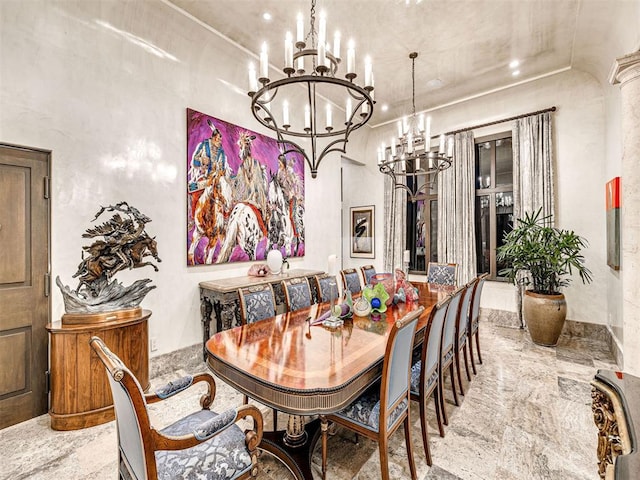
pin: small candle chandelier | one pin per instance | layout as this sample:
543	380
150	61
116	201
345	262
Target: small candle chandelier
408	159
312	64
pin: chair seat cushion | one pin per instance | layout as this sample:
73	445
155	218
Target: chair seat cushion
222	457
432	377
365	410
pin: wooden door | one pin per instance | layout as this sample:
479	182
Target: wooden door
25	305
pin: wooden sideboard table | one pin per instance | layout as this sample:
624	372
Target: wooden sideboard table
616	412
221	296
80	391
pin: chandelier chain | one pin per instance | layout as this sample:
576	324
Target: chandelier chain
413	82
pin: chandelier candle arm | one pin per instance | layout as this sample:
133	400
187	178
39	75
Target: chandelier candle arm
320	75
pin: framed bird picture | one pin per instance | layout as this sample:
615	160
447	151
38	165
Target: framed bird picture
363	232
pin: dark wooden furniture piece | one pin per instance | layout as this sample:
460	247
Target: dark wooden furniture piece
390	397
305	370
203	444
80	394
221	297
256	303
616	412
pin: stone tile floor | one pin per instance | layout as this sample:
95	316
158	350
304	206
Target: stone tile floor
525	415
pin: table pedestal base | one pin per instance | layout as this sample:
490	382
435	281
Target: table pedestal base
297	459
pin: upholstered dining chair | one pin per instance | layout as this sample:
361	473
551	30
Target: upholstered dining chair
257	303
297	293
351	280
384	406
368	271
204	444
462	332
327	287
425	382
442	273
474	322
447	346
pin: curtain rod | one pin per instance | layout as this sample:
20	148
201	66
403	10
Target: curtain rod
550	109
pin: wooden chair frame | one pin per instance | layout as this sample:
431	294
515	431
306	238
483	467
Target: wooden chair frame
364	269
153	440
383	433
295	281
426	391
345	285
474	319
253	289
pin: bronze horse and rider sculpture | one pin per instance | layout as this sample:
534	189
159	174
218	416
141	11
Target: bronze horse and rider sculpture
124	245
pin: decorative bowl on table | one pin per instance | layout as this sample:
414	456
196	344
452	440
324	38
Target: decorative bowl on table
388	282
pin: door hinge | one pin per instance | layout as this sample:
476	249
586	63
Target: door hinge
47	284
47	187
47	380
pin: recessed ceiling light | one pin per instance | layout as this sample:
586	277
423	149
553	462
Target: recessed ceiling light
514	64
266	16
515	73
384	107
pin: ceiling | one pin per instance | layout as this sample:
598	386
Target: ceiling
465	47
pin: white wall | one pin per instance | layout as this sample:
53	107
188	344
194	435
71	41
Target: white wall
579	152
105	87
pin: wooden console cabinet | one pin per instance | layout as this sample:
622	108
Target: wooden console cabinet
616	412
80	391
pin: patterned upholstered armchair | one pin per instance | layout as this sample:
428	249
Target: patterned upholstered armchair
327	287
257	303
351	280
447	349
474	320
204	445
380	411
442	273
368	271
297	293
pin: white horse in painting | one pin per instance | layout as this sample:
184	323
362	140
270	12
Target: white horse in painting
210	214
245	228
285	222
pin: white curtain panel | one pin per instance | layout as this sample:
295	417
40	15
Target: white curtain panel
533	174
395	233
456	209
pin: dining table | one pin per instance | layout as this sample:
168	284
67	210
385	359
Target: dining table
293	363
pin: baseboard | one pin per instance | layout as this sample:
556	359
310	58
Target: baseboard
571	328
188	359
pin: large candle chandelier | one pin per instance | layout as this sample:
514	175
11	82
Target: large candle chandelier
408	159
313	63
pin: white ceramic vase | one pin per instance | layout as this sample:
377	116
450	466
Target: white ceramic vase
274	261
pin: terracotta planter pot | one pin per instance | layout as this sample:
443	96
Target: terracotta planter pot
545	316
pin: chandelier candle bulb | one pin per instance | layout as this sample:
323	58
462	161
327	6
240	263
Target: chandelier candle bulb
410	142
400	133
300	65
405	125
336	45
322	56
300	31
427	135
253	80
288	53
421	123
348	111
393	147
307	117
441	147
351	60
367	72
322	29
285	114
329	117
450	147
264	63
365	109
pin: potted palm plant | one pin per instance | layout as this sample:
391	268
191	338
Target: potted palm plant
543	258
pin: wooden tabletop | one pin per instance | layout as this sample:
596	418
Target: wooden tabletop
288	364
232	284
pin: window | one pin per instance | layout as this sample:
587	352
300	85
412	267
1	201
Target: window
494	199
422	225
